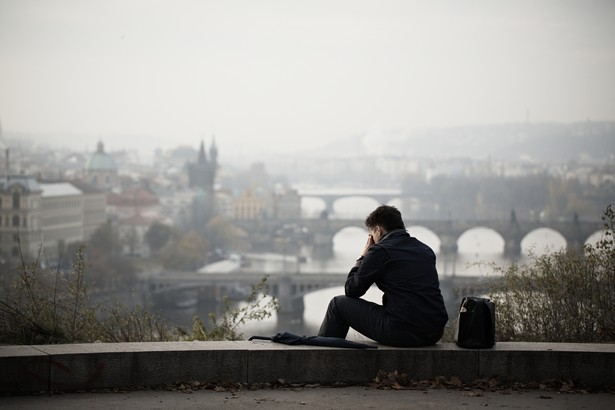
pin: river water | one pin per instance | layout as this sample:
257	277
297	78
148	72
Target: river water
477	249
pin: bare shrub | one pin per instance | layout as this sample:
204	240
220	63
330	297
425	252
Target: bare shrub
258	307
47	306
564	296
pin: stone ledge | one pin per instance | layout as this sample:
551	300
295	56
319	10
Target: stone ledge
27	369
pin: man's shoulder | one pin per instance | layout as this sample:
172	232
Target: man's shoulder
398	234
419	245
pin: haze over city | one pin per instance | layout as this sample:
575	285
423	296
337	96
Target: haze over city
279	76
182	157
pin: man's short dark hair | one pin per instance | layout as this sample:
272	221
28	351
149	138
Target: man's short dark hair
386	216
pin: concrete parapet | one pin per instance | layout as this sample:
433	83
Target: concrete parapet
311	364
591	364
87	366
25	369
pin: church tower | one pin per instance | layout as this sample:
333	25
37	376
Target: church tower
202	176
202	173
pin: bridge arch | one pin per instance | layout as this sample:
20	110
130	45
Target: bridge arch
425	235
353	207
350	230
447	231
594	238
348	243
481	240
330	197
312	206
542	240
397	203
348	223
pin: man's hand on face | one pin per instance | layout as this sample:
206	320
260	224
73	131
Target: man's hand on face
370	242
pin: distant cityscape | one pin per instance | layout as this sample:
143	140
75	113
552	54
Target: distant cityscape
52	198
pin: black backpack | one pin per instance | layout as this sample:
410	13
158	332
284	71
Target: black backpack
476	323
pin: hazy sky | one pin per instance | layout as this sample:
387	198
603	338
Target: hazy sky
270	75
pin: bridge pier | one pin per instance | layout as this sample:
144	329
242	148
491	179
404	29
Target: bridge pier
329	205
291	306
448	244
512	238
292	313
512	248
322	246
575	236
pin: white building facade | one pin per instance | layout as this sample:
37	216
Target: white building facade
62	216
45	216
20	216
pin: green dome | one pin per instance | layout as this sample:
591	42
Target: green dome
101	161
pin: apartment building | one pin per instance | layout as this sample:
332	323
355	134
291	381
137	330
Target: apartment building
287	204
20	216
249	205
62	217
46	216
94	207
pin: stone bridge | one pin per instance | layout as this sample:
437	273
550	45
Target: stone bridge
320	232
329	196
288	289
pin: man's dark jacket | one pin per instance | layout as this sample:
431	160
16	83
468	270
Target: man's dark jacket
404	268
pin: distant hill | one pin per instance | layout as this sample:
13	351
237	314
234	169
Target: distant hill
540	142
551	142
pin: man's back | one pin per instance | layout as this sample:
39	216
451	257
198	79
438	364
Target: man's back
404	268
412	311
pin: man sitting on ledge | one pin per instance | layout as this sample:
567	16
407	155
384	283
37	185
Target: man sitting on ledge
412	311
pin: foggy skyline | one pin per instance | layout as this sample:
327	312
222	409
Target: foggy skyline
279	75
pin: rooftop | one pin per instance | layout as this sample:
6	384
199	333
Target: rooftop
56	189
29	183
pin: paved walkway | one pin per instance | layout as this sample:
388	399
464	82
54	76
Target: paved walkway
354	397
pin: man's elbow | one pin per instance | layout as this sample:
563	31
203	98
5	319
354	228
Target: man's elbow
352	293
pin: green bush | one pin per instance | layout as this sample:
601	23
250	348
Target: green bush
564	296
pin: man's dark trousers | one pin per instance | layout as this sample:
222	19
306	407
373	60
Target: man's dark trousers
371	320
